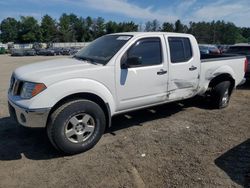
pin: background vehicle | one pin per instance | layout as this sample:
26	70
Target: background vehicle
41	51
17	52
23	52
223	48
75	98
56	51
50	52
241	50
2	50
208	49
75	50
68	51
47	52
30	52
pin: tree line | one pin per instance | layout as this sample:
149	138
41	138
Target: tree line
71	28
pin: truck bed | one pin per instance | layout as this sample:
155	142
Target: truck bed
214	57
213	65
211	57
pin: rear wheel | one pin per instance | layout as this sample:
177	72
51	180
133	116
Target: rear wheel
76	126
221	94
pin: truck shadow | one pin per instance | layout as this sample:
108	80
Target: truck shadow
236	163
34	143
137	118
17	141
245	86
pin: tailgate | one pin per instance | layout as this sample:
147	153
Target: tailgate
248	67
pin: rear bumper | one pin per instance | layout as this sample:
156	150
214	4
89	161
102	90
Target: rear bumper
247	75
242	81
29	117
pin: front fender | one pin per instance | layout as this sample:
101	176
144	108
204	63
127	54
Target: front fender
55	92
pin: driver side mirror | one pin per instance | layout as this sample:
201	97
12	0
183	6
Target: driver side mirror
131	62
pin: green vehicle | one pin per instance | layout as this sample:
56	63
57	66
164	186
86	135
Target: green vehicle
2	50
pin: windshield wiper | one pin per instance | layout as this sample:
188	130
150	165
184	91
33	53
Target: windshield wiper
90	60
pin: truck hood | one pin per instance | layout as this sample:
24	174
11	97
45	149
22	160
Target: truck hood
51	71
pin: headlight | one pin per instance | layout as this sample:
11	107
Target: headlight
30	89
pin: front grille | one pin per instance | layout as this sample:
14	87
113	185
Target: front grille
15	86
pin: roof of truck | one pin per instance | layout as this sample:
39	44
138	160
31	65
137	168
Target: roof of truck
151	33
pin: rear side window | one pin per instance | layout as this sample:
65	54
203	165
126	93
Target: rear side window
180	49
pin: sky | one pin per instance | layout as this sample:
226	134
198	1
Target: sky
139	11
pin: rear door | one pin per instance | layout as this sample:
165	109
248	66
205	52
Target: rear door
184	67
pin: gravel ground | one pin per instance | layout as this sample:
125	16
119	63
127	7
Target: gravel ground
184	144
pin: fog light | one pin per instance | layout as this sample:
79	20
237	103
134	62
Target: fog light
22	117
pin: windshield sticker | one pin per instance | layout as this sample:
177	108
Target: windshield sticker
123	38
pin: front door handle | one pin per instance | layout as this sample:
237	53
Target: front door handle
192	68
161	72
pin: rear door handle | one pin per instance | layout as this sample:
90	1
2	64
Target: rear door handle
192	68
162	71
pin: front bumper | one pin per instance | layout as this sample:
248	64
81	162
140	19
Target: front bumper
29	117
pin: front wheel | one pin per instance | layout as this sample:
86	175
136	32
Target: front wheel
221	94
76	126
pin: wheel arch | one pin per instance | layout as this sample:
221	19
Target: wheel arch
220	78
88	96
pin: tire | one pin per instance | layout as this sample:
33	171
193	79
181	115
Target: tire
76	126
221	94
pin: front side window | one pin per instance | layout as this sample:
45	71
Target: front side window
147	51
180	49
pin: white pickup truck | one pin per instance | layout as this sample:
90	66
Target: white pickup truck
76	97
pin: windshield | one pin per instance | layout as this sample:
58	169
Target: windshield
103	49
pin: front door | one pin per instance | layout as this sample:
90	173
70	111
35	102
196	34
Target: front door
143	82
